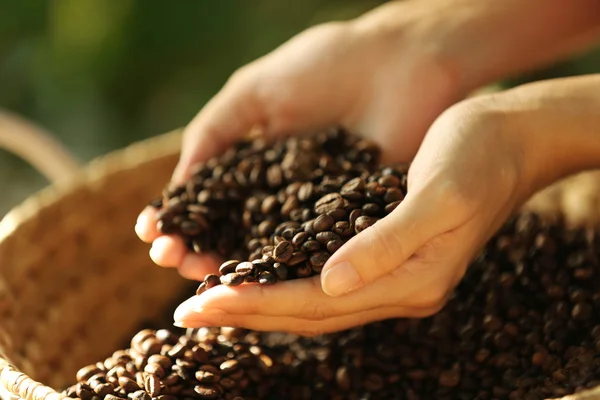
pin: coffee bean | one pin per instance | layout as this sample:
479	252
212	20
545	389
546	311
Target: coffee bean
112	397
325	237
392	206
334	245
300	238
233	279
281	271
140	395
323	223
103	390
389	181
152	385
245	268
318	260
283	251
228	267
363	222
155	369
328	203
87	372
128	384
370	209
305	192
207	392
311	246
211	280
269	204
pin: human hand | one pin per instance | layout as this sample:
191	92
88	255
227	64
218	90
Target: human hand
377	78
463	183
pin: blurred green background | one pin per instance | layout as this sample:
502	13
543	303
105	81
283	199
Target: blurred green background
101	74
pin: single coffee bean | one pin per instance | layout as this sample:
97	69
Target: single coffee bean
370	209
318	260
269	205
152	385
229	266
329	202
291	203
327	236
112	397
363	222
155	369
104	389
338	214
389	181
233	279
392	195
283	251
334	245
303	270
323	223
207	392
300	238
87	372
211	280
206	376
392	206
354	185
245	268
311	246
128	384
229	366
306	191
354	214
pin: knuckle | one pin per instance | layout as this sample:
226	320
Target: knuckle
316	311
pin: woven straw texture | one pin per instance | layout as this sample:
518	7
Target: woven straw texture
69	257
76	283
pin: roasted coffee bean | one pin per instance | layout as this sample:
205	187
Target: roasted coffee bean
103	390
244	268
328	203
371	209
207	392
323	223
229	266
128	385
211	280
318	260
389	181
140	395
283	252
392	206
334	245
300	238
306	191
311	246
152	385
233	279
326	237
87	372
363	222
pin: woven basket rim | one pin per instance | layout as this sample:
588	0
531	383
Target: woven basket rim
125	158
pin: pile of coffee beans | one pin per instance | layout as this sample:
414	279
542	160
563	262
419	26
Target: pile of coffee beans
278	211
161	365
523	324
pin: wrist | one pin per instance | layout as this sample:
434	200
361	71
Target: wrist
555	125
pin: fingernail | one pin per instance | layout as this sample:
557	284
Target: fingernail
192	324
340	278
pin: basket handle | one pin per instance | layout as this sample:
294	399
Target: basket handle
37	147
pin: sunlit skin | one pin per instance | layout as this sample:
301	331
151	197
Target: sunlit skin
398	76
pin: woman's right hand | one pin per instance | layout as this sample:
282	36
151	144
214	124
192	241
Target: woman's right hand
378	76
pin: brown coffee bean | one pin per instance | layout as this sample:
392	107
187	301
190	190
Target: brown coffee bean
311	246
244	268
389	181
303	270
229	366
269	205
300	238
228	267
87	372
104	389
155	369
206	376
207	391
354	185
323	223
150	346
291	203
113	397
266	228
370	209
354	214
233	279
190	228
327	236
305	192
211	280
140	395
450	378
281	271
152	385
128	384
334	245
363	222
283	252
318	260
297	258
328	203
274	176
582	311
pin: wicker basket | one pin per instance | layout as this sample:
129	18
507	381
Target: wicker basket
68	256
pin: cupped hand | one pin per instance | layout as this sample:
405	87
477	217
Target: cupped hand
465	180
377	76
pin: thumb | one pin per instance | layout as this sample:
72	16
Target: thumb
228	116
383	247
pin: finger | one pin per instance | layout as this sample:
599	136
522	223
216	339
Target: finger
145	227
196	266
214	318
301	298
228	116
168	251
383	247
